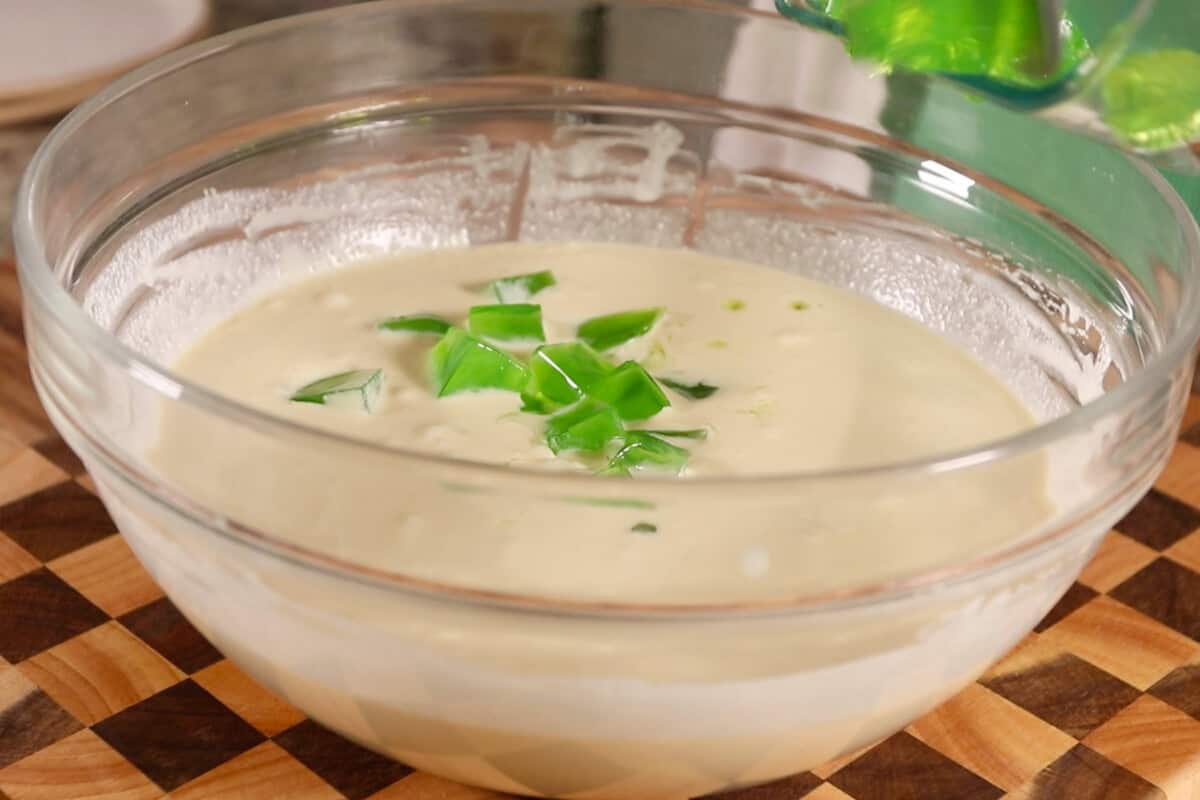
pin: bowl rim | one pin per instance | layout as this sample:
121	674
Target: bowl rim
38	280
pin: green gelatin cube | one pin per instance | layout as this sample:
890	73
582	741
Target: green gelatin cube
696	391
691	433
462	363
415	323
519	288
507	323
562	374
588	426
532	403
632	392
1000	40
611	502
361	387
1152	100
605	333
645	451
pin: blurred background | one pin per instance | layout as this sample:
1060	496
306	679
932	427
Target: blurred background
36	36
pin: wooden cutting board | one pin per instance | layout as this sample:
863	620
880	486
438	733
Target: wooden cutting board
107	692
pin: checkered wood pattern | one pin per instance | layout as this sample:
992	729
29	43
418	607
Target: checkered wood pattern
106	691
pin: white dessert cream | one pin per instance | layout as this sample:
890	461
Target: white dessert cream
808	378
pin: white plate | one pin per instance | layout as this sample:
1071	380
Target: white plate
56	46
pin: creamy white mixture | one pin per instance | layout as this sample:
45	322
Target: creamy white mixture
810	378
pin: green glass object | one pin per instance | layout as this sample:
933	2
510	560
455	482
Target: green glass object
561	374
1152	99
999	40
642	451
360	387
507	322
588	426
606	332
519	288
631	391
462	363
696	391
415	323
1124	71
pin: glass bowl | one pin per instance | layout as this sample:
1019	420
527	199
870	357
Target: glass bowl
303	144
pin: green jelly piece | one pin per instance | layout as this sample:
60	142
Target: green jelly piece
588	425
644	527
532	403
462	363
562	374
646	451
415	323
696	391
506	323
611	502
632	392
361	387
691	433
605	333
1152	100
519	288
1000	40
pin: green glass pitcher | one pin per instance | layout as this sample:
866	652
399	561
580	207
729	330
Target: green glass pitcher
1126	71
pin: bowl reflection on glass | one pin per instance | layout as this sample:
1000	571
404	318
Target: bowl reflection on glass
308	143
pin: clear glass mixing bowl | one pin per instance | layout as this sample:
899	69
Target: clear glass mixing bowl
300	145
